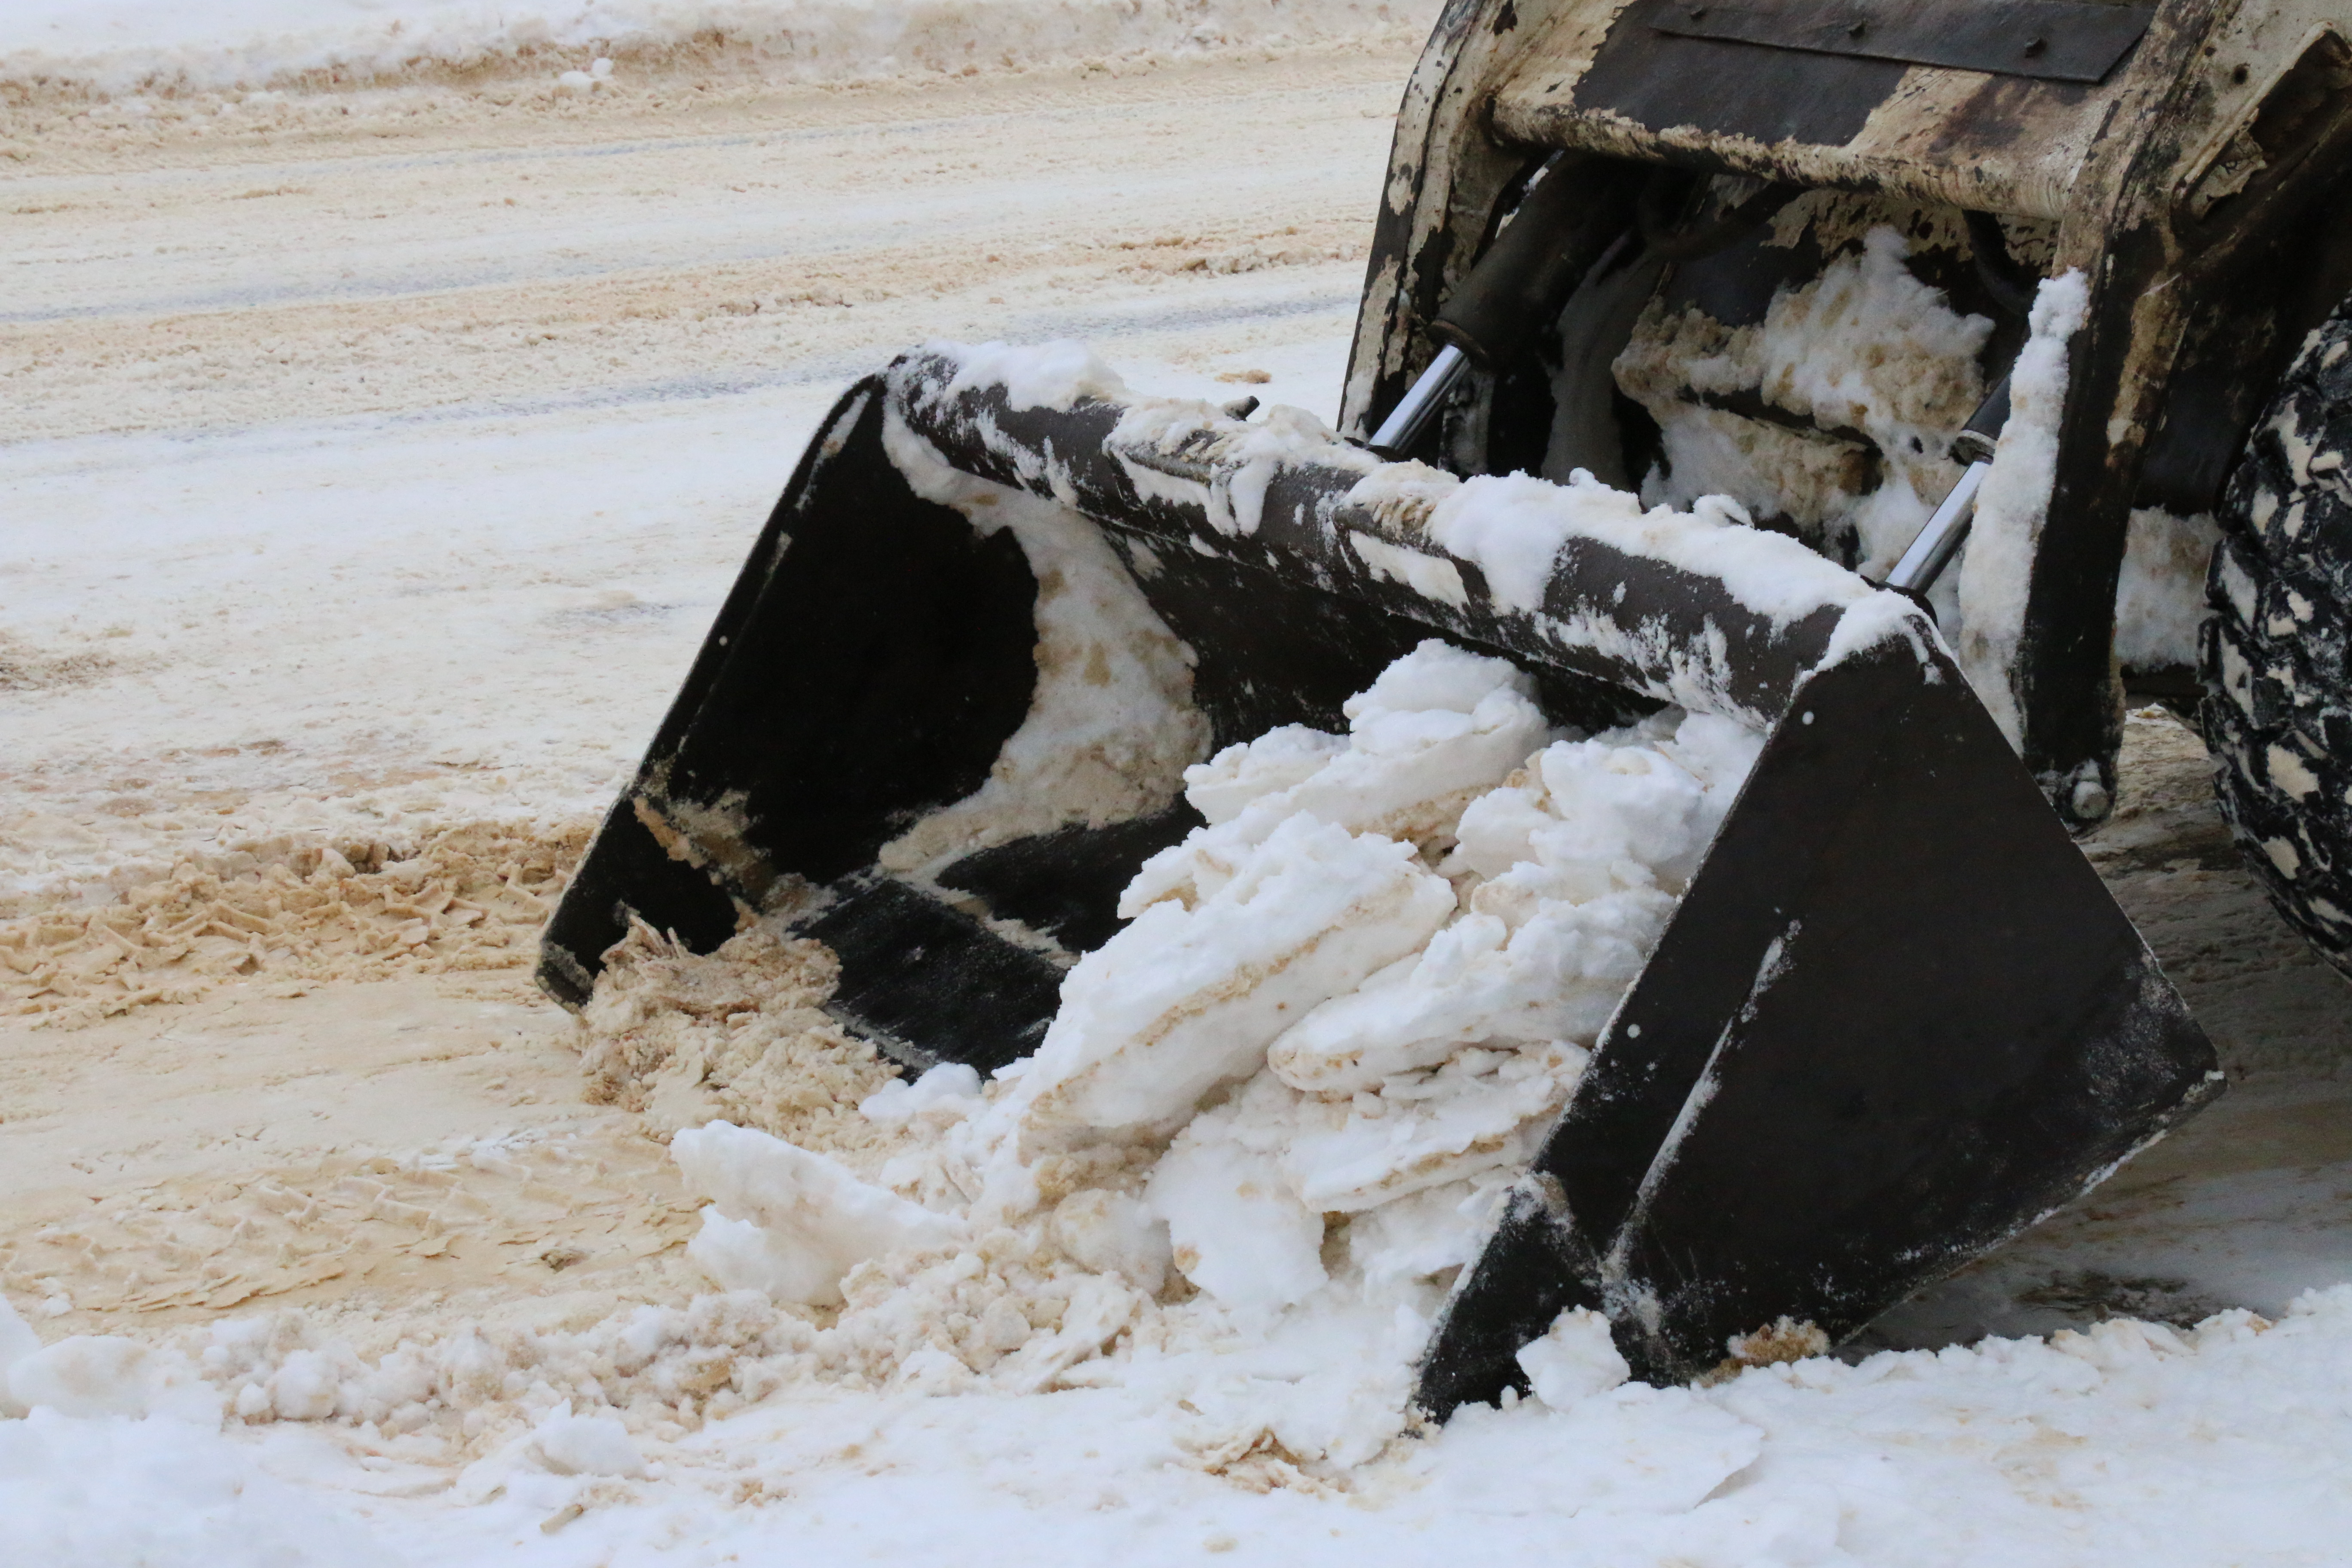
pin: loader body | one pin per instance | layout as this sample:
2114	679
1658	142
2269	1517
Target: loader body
2198	186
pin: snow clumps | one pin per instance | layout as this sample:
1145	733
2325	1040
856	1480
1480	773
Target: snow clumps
1290	1090
598	74
90	1375
1573	1361
1875	358
789	1222
1509	887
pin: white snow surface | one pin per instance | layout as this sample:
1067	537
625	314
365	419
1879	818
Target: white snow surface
1576	1359
2129	1445
570	1444
1994	567
789	1222
133	46
1189	994
1515	526
1049	375
1084	1415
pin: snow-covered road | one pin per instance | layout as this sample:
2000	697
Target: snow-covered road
439	252
432	443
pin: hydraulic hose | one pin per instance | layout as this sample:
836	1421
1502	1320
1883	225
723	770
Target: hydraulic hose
1572	215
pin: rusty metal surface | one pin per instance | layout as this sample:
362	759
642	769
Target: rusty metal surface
2054	40
1931	133
1744	91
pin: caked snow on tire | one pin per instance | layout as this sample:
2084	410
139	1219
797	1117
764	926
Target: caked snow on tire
2278	707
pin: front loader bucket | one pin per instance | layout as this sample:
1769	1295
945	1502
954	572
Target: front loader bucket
1896	1019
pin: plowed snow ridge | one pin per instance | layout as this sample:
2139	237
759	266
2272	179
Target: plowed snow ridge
122	47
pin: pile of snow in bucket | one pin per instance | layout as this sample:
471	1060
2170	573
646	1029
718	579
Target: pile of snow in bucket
1293	1087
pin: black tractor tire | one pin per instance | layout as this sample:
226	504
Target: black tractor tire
2273	653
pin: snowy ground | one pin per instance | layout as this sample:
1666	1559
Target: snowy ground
456	427
374	474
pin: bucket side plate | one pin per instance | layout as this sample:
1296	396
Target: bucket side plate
1896	1020
868	665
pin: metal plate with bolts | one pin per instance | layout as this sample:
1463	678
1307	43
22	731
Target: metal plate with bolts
2054	40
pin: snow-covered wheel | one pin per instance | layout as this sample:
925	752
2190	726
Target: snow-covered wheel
2274	654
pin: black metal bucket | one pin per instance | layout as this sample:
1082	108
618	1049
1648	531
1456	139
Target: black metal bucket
1896	1019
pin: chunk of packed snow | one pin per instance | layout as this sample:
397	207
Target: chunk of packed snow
1049	375
789	1222
573	1444
1454	984
1240	1231
1438	726
1188	997
1574	1360
1223	787
1513	527
1423	1235
950	1087
1580	865
305	1387
1484	1108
